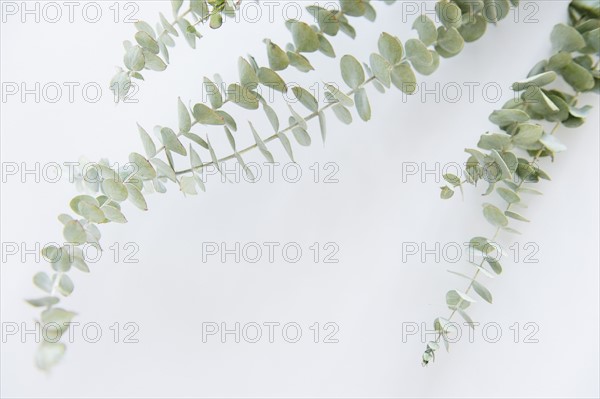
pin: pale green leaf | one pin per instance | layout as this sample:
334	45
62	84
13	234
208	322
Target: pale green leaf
278	59
566	38
305	38
261	145
43	282
143	168
136	197
65	285
362	104
404	78
495	216
43	302
149	146
381	69
516	216
113	214
352	71
185	122
171	141
248	78
270	78
114	189
242	96
426	29
339	95
342	113
207	116
49	354
482	291
306	98
390	48
74	232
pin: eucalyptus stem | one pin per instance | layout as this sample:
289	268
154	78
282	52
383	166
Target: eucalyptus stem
274	136
508	208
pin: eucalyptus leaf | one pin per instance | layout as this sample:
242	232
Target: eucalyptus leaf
213	93
538	80
299	62
91	212
242	96
163	169
49	354
185	122
248	78
114	189
508	195
149	146
278	59
482	291
362	104
566	38
270	78
134	59
426	29
449	42
381	69
428	69
417	52
305	98
342	113
65	285
390	48
136	197
305	38
449	14
495	216
43	282
43	302
505	117
261	145
404	78
147	42
339	95
171	141
272	116
207	116
114	214
285	142
143	168
352	72
473	27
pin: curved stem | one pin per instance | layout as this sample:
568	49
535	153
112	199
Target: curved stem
533	161
274	136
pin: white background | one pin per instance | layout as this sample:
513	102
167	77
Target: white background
370	293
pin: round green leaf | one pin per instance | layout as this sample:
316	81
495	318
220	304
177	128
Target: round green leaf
305	38
362	104
390	48
74	232
114	189
352	71
495	216
278	59
404	78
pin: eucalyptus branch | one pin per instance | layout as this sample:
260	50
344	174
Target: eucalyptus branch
151	43
577	47
276	135
394	64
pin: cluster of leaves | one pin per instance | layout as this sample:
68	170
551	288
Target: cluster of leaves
394	64
151	51
510	157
